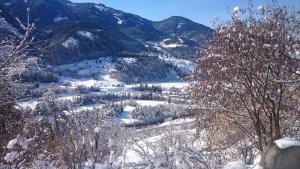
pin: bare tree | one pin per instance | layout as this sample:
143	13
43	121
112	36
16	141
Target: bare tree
12	49
246	83
170	149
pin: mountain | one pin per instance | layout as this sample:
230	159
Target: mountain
177	26
69	32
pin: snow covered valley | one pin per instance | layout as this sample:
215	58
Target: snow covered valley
148	111
92	79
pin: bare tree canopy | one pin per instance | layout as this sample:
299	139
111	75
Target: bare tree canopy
246	85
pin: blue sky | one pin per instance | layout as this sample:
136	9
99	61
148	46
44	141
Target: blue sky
201	11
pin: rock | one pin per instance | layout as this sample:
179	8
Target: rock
282	157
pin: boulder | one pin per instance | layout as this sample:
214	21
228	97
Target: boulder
284	154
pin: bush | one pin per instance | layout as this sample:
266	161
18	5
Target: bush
146	88
67	84
95	89
174	90
39	92
157	114
81	89
43	76
59	90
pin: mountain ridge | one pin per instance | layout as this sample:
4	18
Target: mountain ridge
72	32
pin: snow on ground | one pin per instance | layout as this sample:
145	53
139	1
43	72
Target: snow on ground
109	85
256	167
287	142
68	97
70	42
129	108
114	89
86	34
241	165
60	18
133	157
86	69
101	8
28	104
183	64
126	118
172	45
129	60
236	165
150	102
89	107
166	86
119	20
178	121
81	82
180	25
164	43
109	80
